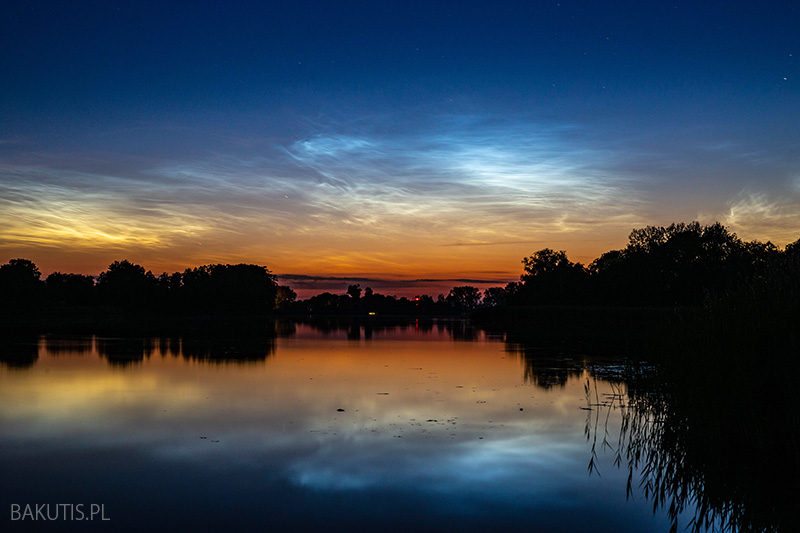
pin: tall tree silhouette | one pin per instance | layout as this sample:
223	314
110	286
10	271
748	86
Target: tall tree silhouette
675	265
127	285
228	289
494	297
20	285
549	277
284	297
464	299
354	291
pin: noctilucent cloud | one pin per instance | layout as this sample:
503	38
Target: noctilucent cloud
410	145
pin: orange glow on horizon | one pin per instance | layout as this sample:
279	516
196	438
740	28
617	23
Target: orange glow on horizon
405	262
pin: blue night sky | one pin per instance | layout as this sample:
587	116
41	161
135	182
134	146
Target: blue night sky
390	142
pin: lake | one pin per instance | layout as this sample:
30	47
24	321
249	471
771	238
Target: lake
424	427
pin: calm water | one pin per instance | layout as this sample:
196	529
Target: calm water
433	428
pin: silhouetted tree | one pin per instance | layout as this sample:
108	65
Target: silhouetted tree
675	265
424	305
549	277
494	297
227	289
608	277
793	248
324	303
354	291
20	285
169	291
284	297
791	259
127	285
513	293
70	289
464	299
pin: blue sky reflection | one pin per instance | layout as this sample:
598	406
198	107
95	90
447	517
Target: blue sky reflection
425	419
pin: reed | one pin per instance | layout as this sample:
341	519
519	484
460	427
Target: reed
714	431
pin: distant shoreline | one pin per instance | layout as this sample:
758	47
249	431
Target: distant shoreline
556	320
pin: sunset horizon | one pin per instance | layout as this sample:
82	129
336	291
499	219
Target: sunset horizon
406	282
400	266
389	143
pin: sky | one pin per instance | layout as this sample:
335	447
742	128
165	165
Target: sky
407	146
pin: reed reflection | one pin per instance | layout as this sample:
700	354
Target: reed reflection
697	452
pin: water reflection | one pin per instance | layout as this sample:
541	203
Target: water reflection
713	450
366	327
257	342
546	369
67	346
551	366
19	353
124	352
376	425
402	428
699	454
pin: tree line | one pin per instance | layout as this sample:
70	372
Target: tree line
677	265
210	289
217	288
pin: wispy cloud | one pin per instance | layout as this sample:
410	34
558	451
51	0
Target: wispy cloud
498	243
469	174
346	197
765	216
49	207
